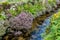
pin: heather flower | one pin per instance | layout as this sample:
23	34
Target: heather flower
20	24
22	21
17	33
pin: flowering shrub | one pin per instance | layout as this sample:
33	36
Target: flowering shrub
20	24
23	20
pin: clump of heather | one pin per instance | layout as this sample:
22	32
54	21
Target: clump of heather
20	24
23	20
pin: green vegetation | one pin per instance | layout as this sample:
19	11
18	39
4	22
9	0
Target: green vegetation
2	15
34	7
53	32
15	7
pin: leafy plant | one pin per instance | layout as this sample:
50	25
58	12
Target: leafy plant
54	28
2	15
